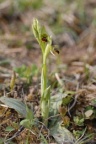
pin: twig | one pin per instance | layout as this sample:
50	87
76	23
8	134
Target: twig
69	108
58	79
43	125
15	135
76	97
53	116
81	136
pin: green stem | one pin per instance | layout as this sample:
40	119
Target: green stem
45	44
44	100
43	78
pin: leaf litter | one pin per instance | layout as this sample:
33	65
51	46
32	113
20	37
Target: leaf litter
73	30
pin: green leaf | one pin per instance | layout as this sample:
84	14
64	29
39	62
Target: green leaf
47	93
43	140
19	106
25	123
66	100
9	129
1	140
78	120
47	50
30	114
55	102
62	135
45	103
27	72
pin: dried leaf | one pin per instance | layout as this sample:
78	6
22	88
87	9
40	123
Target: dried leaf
12	82
88	113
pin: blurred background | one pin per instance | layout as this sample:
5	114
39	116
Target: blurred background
71	23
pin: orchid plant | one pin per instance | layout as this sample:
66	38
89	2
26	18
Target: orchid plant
45	42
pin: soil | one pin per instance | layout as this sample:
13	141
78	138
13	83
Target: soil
73	31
